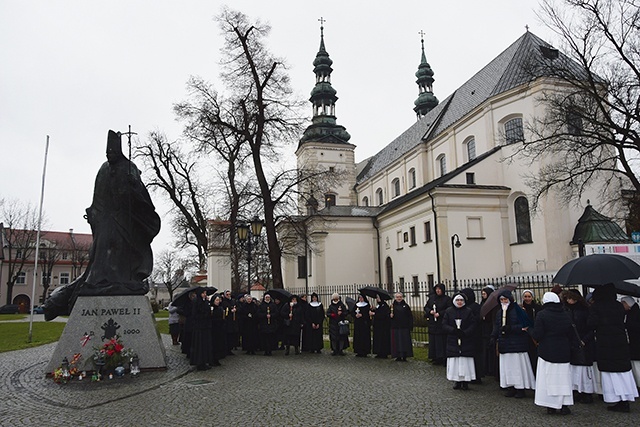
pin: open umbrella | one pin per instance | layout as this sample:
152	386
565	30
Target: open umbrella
373	292
492	299
281	294
182	298
597	269
627	288
351	303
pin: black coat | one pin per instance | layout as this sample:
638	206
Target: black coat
579	314
402	316
249	325
553	331
633	331
201	351
336	312
466	333
532	311
361	329
218	333
382	330
312	338
511	338
292	319
230	321
442	303
265	325
606	317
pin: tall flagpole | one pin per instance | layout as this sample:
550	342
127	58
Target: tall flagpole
35	264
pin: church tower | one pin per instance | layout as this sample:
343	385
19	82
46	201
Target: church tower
324	146
426	100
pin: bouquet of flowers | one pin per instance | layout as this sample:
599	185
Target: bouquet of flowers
111	353
67	370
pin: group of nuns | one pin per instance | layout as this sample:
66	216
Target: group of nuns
566	348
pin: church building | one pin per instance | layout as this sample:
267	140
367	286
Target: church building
446	198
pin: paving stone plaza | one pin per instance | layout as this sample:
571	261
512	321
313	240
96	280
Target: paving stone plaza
303	390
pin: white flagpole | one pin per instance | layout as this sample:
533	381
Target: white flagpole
35	264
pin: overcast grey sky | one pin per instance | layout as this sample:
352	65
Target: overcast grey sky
75	69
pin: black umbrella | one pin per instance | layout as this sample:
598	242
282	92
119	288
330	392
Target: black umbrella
597	269
183	296
492	299
627	288
373	292
281	294
351	303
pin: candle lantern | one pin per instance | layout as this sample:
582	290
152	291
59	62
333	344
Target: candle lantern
135	365
65	370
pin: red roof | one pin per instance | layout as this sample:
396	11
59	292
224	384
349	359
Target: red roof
61	239
258	287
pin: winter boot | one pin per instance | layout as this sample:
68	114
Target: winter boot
510	392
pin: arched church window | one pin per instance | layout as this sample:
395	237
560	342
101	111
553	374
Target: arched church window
513	131
471	149
329	200
389	270
412	178
365	201
523	220
442	164
379	197
396	187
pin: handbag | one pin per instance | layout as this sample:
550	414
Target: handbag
343	327
578	353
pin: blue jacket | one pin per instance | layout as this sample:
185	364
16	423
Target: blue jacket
510	337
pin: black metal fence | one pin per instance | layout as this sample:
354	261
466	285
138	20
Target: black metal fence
416	294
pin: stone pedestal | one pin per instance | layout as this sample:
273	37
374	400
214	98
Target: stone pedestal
96	319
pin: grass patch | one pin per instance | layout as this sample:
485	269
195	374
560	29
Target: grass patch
12	316
162	314
15	335
162	325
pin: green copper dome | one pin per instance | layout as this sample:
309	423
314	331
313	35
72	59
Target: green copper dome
426	99
323	98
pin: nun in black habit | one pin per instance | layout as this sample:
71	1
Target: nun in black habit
249	325
201	353
312	339
218	330
434	311
267	315
292	315
381	329
361	327
401	327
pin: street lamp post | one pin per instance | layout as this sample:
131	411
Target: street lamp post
248	235
455	243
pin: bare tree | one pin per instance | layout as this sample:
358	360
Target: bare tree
267	115
591	125
79	256
176	173
201	114
20	227
170	270
50	253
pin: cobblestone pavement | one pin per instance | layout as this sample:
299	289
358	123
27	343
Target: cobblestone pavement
304	390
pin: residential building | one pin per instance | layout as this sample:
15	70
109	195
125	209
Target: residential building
63	256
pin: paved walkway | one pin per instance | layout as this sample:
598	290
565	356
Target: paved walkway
304	390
